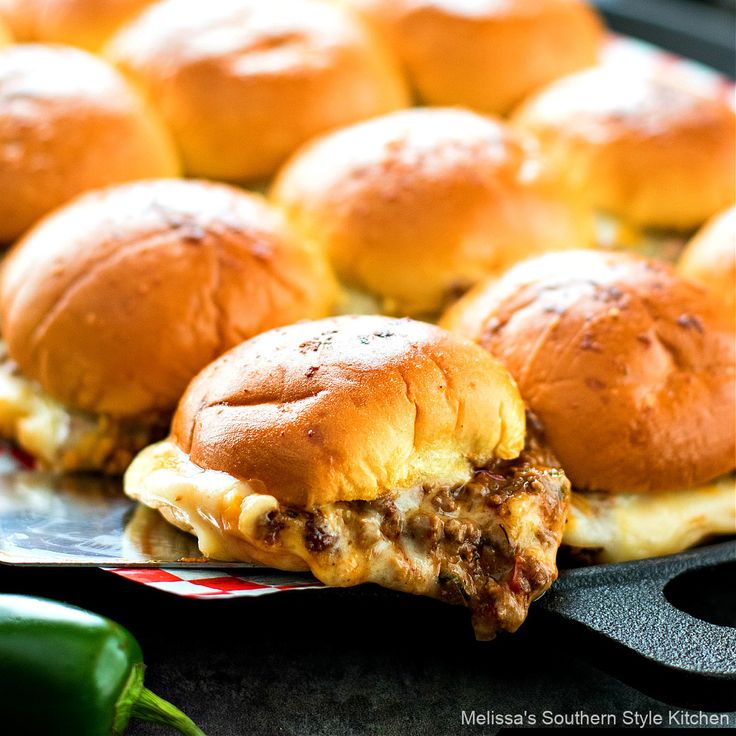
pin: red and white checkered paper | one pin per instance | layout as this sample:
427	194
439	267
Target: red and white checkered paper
220	584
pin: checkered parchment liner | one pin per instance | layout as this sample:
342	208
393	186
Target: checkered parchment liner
220	584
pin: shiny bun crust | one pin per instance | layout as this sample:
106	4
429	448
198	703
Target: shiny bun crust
418	205
350	408
710	257
114	302
85	23
629	367
69	123
641	147
488	55
242	83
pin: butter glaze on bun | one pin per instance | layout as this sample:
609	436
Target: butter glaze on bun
69	123
629	367
114	302
486	54
416	206
640	147
350	408
242	83
710	257
84	23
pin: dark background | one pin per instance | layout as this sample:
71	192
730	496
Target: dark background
372	662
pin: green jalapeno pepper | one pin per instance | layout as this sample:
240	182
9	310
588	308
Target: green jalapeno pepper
65	671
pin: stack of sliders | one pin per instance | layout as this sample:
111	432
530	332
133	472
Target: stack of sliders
157	328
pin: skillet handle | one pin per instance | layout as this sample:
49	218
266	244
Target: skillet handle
626	603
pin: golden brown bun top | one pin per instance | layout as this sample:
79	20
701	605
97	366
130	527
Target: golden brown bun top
69	123
629	367
242	83
85	23
643	147
350	408
115	301
710	257
418	205
486	54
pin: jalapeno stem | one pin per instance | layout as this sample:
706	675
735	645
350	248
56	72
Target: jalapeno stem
149	707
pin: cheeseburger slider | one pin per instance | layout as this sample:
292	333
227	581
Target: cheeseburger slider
630	370
485	54
110	305
85	23
710	257
415	207
641	148
242	83
69	123
366	449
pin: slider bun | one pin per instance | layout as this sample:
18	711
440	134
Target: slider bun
85	23
629	367
115	301
69	123
417	205
710	257
642	148
487	55
350	408
242	83
5	35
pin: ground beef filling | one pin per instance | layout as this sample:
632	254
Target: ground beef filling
489	544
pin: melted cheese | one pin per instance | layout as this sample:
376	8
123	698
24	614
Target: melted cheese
61	438
636	526
227	516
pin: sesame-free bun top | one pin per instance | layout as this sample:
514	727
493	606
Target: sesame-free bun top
485	54
629	367
115	301
643	148
416	206
242	83
85	23
350	408
69	123
710	257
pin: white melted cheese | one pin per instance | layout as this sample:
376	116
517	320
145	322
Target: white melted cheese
38	423
636	526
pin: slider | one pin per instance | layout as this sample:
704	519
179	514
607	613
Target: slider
84	23
416	206
69	123
366	449
642	148
486	55
710	257
243	83
111	304
631	371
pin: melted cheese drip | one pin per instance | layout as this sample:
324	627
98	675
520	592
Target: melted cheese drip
635	526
